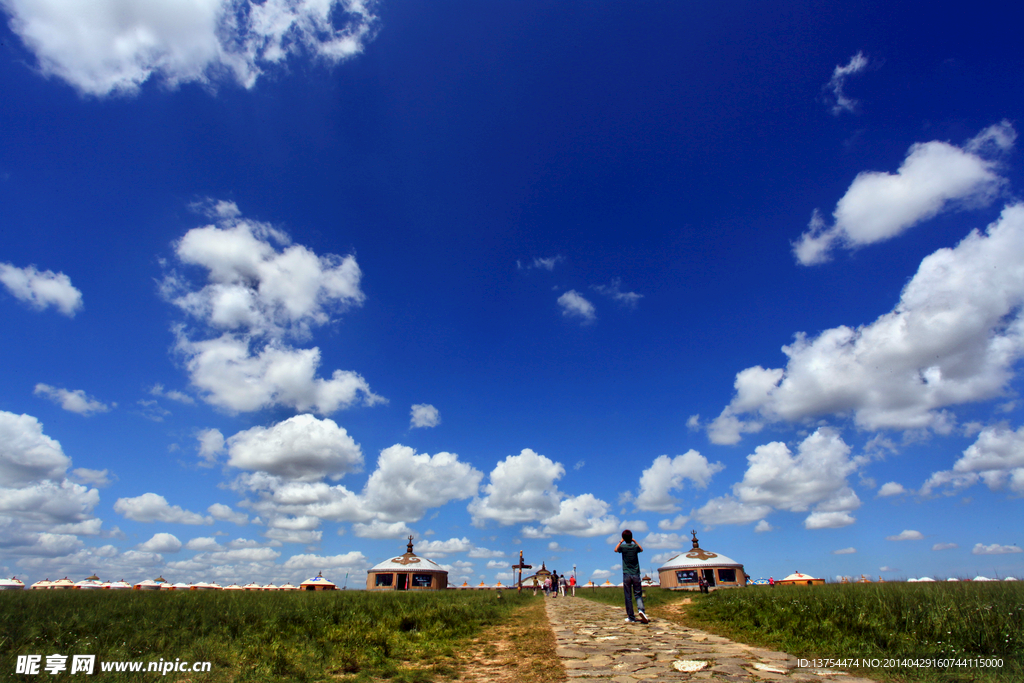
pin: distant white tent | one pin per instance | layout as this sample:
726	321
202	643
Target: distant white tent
983	578
1010	578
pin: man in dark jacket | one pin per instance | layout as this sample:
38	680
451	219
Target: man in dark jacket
631	585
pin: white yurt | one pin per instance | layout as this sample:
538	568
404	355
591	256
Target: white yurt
147	585
798	579
317	583
684	571
43	585
64	584
89	583
12	584
408	572
121	585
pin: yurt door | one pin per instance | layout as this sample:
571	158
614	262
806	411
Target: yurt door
709	576
402	578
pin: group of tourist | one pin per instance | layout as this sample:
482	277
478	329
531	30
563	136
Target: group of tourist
556	585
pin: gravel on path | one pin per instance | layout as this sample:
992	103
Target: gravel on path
596	644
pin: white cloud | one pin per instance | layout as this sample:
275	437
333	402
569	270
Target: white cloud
173	394
204	543
498	564
231	376
482	553
944	546
379	529
828	520
599	574
547	263
891	489
211	444
521	489
666	474
906	535
842	103
41	289
665	541
994	549
425	415
844	551
300	536
73	401
996	457
112	46
259	290
26	454
954	338
301	448
776	479
83	475
152	507
615	293
674	524
582	515
226	514
763	526
634	525
161	543
935	176
405	483
574	305
442	548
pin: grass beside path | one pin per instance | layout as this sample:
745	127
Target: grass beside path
260	636
967	622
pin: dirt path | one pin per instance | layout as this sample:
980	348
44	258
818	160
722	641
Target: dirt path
595	644
522	649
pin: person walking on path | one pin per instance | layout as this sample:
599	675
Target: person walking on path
554	584
631	586
572	584
562	585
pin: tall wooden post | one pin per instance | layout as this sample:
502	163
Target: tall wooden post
521	566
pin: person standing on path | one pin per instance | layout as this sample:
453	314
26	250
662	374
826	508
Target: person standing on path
572	584
631	586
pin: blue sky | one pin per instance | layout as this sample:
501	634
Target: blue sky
283	283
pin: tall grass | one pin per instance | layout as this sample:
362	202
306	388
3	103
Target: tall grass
253	636
947	620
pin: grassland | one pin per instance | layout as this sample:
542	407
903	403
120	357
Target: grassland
889	620
336	636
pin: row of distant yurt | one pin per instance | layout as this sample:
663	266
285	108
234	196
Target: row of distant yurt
317	583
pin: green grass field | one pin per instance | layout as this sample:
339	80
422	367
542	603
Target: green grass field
303	636
900	620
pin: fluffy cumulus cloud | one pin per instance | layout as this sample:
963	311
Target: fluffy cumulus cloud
424	415
400	490
944	546
211	445
257	294
582	515
116	45
301	448
996	458
443	548
226	514
666	474
953	338
152	507
161	543
40	290
934	176
839	100
575	305
405	483
521	489
73	401
844	551
906	535
994	549
891	489
42	512
813	479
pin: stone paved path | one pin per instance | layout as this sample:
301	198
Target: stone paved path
595	644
